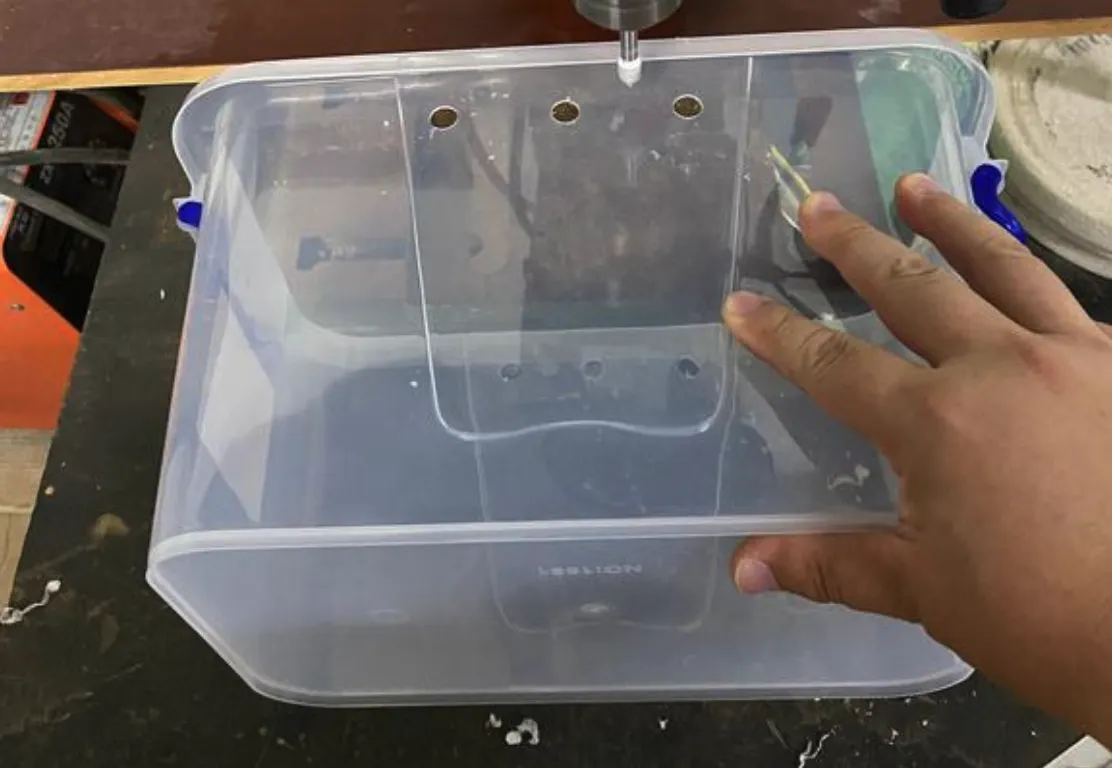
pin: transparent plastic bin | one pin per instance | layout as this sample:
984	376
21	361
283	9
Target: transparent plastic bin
455	418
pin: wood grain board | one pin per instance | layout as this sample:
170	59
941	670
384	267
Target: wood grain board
22	458
127	42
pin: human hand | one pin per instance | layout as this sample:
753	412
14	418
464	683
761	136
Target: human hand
1002	442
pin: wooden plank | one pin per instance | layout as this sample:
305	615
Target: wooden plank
13	530
117	78
22	458
186	41
112	78
971	33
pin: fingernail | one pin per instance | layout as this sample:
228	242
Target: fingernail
821	202
920	184
743	303
754	577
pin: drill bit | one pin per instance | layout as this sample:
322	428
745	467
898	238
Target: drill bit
629	57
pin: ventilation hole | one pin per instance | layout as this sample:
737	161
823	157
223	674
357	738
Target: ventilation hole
443	118
688	368
592	369
16	307
474	245
510	371
687	106
566	111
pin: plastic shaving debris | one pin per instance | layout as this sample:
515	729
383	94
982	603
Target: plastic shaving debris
527	727
810	754
10	615
860	475
793	188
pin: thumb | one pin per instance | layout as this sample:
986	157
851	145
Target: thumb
865	571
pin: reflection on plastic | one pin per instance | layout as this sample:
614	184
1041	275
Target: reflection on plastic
793	188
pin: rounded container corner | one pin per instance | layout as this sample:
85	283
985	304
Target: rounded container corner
251	676
943	680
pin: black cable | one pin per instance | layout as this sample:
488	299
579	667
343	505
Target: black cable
65	156
518	204
48	206
516	165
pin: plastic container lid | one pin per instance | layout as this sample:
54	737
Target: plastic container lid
455	417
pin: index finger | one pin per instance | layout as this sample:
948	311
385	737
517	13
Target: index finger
994	263
928	309
855	382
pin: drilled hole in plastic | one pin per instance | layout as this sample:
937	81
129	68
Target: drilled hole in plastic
566	111
443	118
688	368
592	369
474	245
510	371
687	106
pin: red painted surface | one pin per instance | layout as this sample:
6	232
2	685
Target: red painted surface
37	348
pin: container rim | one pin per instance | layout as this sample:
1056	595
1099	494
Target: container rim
520	57
516	532
943	677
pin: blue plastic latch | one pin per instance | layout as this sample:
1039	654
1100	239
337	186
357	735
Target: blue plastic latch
190	213
987	183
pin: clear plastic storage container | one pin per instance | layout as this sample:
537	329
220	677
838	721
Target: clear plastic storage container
455	418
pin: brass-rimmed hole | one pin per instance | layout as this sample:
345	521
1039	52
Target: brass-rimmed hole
566	111
443	118
687	106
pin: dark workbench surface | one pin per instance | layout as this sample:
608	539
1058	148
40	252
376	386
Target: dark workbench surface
127	34
107	675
